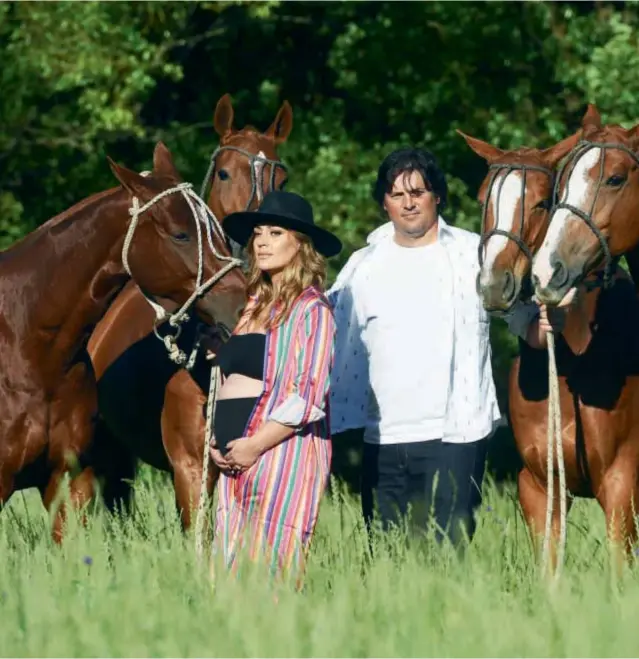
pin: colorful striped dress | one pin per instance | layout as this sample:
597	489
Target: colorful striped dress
270	510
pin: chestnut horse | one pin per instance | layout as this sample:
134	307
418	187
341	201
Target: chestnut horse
151	408
55	285
592	353
592	224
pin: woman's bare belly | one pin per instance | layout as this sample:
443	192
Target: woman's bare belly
240	386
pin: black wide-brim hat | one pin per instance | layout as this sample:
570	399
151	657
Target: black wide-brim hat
283	209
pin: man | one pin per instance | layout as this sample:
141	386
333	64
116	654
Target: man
413	360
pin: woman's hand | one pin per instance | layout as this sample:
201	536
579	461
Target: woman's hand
219	459
243	453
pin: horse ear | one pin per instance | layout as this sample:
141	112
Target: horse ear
633	134
132	181
163	162
486	151
592	118
282	125
223	117
553	154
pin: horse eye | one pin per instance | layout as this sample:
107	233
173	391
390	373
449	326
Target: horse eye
616	180
181	237
223	175
544	204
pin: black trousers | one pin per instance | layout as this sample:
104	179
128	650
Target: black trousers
440	481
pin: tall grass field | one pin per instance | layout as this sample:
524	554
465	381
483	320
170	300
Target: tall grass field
133	587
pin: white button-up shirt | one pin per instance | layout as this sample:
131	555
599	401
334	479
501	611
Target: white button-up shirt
472	410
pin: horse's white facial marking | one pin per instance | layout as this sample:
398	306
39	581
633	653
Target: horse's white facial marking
258	168
504	203
575	193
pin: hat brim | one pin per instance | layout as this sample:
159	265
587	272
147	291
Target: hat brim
239	227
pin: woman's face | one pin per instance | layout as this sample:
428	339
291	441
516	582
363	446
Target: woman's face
274	248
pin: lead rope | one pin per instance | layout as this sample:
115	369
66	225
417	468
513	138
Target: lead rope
211	404
555	439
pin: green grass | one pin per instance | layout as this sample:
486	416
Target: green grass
134	588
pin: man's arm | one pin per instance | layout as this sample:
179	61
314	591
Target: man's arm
532	322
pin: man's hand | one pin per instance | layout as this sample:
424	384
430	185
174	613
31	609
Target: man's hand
551	319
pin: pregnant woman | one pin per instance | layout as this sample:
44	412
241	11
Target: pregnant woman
272	438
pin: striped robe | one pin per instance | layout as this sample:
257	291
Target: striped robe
270	510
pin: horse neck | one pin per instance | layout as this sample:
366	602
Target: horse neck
78	269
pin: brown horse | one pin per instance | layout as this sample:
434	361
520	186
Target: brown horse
151	408
597	383
592	224
55	286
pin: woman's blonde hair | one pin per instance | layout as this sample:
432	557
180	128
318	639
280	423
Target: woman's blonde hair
308	268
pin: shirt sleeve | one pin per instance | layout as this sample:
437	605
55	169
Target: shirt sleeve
350	386
313	352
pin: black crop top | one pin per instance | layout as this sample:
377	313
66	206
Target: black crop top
244	354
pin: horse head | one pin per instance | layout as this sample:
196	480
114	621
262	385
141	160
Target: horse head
174	250
245	165
593	220
516	197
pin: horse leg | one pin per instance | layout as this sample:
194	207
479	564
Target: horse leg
533	498
81	490
619	498
72	421
183	430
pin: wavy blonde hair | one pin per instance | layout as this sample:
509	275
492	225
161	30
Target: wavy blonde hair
308	268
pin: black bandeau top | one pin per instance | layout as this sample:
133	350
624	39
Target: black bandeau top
244	354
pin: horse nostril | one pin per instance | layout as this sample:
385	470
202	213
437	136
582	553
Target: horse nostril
509	285
559	274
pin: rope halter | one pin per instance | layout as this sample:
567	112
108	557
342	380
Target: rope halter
580	149
203	217
517	238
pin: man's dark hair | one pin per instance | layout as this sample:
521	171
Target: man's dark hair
407	160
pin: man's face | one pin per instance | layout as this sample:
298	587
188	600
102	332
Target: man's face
411	206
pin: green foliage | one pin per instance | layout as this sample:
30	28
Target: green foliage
74	80
599	58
